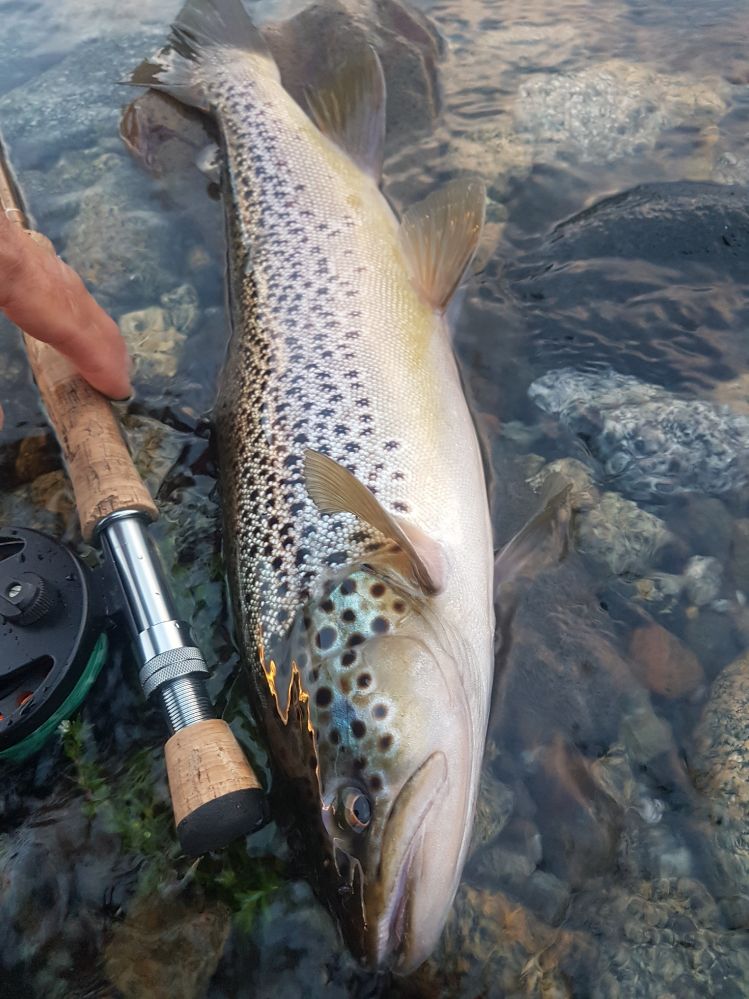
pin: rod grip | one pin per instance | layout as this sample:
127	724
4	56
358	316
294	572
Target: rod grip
215	794
101	470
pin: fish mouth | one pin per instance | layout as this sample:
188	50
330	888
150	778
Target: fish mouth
388	934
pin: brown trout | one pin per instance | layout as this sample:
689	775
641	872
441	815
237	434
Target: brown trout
357	529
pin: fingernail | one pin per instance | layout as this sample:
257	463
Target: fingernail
127	398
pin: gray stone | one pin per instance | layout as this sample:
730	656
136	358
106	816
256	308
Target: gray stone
703	579
620	535
649	442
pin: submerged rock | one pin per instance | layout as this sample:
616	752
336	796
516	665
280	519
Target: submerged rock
611	530
665	664
720	764
124	250
155	448
611	109
155	336
166	947
494	946
740	555
649	442
621	536
651	281
493	809
659	938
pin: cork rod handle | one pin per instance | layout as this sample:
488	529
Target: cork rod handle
215	794
101	470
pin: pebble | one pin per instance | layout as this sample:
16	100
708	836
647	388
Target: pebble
663	663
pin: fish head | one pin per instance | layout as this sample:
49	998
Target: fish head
397	756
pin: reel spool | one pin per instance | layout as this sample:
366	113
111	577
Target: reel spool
53	639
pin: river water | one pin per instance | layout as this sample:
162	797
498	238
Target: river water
611	855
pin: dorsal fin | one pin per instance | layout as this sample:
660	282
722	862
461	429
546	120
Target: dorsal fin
440	236
351	111
334	489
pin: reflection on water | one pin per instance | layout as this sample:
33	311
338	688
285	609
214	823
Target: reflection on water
610	856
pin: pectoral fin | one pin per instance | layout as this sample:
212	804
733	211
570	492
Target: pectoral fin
334	489
440	235
529	546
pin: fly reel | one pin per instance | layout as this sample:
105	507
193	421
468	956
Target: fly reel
53	640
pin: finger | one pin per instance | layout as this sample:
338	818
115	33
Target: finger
48	300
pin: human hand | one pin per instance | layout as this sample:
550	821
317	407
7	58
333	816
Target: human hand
47	299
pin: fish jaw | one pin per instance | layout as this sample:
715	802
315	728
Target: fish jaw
407	906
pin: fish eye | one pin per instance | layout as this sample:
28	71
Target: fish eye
356	809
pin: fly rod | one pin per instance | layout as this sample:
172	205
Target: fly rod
215	794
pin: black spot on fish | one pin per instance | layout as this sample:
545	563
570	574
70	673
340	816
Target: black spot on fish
380	711
380	626
348	615
335	736
375	782
348	586
356	639
348	658
360	763
377	590
358	728
323	697
363	680
385	742
325	637
327	606
399	606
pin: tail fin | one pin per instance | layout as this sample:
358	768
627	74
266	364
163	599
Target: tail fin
207	36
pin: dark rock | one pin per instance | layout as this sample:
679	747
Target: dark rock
740	555
583	297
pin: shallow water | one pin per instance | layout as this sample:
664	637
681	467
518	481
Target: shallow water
598	868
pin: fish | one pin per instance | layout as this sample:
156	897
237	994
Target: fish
357	532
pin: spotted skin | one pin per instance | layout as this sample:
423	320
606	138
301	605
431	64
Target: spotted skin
357	725
360	680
